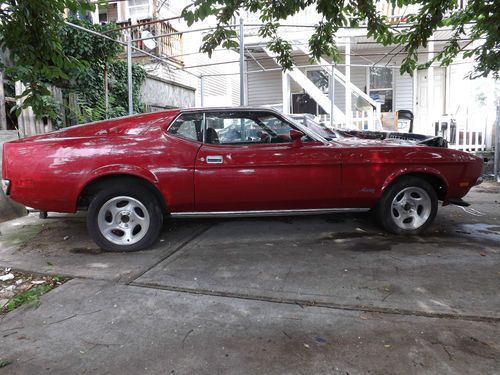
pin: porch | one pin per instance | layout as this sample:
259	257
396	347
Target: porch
367	91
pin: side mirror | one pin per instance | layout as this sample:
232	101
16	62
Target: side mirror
296	136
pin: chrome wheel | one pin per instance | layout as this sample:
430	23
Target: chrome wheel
123	220
411	208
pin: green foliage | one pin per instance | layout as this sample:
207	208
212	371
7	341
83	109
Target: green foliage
478	21
32	51
88	84
87	47
89	88
76	61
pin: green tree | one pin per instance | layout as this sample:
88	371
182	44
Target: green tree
88	84
32	51
481	16
40	49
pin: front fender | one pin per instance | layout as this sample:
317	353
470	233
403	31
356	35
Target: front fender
414	169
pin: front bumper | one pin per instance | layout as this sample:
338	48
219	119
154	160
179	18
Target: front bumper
5	186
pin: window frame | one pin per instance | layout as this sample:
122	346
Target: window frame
293	124
177	117
392	88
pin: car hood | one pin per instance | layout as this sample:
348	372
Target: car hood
360	142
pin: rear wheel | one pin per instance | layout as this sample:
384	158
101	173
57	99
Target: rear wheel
124	219
408	206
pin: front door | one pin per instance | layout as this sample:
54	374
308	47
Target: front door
248	162
427	113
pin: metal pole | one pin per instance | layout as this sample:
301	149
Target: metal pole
106	93
332	97
348	90
202	90
129	70
3	114
497	144
242	63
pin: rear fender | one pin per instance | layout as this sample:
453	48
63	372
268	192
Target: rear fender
119	169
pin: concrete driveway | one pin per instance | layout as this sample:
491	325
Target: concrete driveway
304	295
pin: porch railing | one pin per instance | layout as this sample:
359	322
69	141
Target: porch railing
469	140
170	47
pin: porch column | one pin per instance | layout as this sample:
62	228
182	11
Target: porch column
285	84
348	106
431	108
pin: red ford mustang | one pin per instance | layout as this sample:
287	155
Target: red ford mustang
131	172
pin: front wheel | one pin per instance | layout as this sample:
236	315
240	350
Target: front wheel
124	219
408	206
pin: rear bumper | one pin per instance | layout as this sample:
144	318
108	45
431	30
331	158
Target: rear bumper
5	186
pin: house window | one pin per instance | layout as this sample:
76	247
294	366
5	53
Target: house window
302	102
381	89
319	78
138	9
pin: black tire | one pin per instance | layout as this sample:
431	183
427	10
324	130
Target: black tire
137	193
388	216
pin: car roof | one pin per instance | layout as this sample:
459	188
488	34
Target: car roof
230	109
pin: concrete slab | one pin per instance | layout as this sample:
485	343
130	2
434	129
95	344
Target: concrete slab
94	327
347	262
61	245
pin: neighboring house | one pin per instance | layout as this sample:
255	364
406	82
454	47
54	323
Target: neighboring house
178	82
368	89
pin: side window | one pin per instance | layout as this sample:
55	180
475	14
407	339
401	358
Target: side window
189	125
246	128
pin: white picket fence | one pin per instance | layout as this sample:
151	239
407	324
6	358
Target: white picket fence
473	133
469	140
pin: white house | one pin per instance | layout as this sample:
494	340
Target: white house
364	90
367	89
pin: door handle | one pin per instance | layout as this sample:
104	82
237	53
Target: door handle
214	159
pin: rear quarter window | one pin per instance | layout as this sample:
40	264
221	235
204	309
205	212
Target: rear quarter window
188	126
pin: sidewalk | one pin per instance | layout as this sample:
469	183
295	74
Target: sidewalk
307	295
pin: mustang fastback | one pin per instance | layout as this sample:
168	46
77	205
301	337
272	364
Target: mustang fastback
132	172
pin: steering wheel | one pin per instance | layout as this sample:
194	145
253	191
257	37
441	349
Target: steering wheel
265	137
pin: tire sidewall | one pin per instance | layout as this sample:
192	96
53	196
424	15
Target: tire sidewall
384	207
142	194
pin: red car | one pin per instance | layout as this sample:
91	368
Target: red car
131	172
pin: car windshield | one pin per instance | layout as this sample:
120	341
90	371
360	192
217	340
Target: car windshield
309	123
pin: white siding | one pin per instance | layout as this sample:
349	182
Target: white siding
403	87
265	88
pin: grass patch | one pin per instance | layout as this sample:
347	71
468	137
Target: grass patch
31	297
4	363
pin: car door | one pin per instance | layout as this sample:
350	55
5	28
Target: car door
248	162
